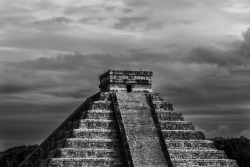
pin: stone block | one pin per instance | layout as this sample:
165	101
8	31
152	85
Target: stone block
204	162
80	162
183	135
176	125
163	105
90	143
101	105
169	116
86	153
94	133
191	144
97	124
100	114
196	154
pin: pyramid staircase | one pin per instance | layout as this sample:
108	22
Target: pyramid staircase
141	134
89	138
186	146
127	129
126	125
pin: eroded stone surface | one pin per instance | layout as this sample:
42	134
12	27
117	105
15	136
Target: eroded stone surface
187	147
140	130
88	139
127	125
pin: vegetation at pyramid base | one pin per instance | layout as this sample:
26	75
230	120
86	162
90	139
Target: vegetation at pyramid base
15	155
235	148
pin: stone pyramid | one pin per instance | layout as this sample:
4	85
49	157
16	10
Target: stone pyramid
126	124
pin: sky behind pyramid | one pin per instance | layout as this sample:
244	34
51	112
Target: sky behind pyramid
52	52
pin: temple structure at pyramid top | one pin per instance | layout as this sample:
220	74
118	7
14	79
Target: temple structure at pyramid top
126	124
130	81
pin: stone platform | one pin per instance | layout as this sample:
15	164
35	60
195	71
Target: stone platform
126	125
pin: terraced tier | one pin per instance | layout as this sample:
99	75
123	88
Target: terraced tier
204	162
85	153
89	143
80	162
186	147
158	105
100	114
169	116
101	105
194	154
96	124
93	140
183	135
190	144
93	133
176	125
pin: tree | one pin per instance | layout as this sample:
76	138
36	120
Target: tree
235	148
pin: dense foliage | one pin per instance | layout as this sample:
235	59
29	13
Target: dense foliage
235	148
13	156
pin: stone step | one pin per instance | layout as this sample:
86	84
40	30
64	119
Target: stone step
130	96
183	134
204	162
80	162
157	97
133	95
176	125
141	134
84	153
132	100
89	143
133	106
96	124
135	117
163	105
93	133
196	154
169	116
101	105
191	144
100	114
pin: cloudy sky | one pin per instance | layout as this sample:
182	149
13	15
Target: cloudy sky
52	52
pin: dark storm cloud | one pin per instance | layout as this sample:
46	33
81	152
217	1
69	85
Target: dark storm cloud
123	10
30	122
79	9
127	10
209	76
238	55
138	3
13	88
124	22
208	83
36	110
137	22
185	21
55	20
92	19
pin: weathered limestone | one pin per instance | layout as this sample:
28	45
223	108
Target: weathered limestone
127	125
187	147
121	80
88	138
141	133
